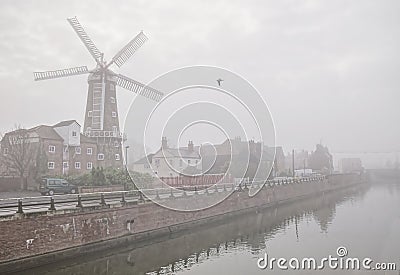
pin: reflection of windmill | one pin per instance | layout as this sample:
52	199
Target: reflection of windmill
101	117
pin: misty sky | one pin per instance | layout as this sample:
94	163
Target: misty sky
329	70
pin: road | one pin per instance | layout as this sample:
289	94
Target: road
33	202
9	206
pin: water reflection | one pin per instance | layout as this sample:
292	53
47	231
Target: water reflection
180	252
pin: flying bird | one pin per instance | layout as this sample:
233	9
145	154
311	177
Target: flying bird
219	80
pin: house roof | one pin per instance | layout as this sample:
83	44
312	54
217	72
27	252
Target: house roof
182	152
45	131
48	132
145	159
228	147
14	133
17	131
66	123
191	170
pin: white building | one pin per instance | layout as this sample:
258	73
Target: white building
171	162
143	165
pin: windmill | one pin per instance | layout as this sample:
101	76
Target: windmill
101	116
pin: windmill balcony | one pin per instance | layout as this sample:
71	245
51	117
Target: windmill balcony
100	133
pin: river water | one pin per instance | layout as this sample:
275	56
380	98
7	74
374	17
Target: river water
363	219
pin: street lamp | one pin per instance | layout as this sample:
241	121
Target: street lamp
126	166
126	156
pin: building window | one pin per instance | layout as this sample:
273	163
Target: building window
89	165
114	128
74	133
52	148
78	150
113	114
77	165
89	114
117	157
100	156
89	151
112	99
50	165
65	164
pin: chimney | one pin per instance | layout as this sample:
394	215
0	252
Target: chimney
164	143
190	146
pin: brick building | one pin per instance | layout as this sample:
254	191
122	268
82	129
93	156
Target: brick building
60	149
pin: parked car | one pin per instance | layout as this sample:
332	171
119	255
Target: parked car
51	186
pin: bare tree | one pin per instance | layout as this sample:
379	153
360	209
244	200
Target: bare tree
19	150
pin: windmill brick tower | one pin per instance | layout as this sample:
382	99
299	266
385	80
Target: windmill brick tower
101	117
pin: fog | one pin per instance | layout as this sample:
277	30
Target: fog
328	71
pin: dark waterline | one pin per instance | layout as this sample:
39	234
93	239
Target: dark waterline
365	219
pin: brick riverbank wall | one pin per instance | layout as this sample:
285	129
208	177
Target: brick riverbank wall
27	235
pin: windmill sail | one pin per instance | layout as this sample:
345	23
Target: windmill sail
80	31
126	52
101	115
60	73
139	88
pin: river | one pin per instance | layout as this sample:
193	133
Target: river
365	220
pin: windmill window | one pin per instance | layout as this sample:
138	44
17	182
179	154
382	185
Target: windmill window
112	99
113	114
50	165
52	148
77	165
100	156
90	114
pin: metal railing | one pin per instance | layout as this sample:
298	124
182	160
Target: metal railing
10	206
